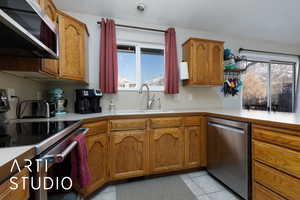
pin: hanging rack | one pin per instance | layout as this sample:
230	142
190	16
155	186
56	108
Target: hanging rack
138	27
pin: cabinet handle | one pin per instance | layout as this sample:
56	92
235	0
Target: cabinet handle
58	158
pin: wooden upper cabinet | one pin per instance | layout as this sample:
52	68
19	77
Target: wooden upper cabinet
49	66
205	61
73	51
200	57
166	149
97	146
72	48
128	154
49	9
216	63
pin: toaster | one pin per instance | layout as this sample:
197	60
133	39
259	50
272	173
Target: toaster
35	109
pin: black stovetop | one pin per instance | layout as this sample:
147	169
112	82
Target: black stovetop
30	133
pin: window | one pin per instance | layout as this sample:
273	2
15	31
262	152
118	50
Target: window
269	85
140	63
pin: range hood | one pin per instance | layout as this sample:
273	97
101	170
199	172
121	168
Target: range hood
25	30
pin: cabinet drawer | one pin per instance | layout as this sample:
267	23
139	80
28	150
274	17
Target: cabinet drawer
166	122
96	127
128	124
277	157
282	137
20	193
192	121
279	182
262	193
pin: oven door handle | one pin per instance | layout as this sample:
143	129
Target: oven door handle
58	158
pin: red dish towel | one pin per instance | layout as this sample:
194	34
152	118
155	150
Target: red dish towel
80	172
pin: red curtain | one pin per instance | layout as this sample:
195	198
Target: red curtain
108	57
171	63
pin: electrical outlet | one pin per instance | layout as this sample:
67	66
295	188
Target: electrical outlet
10	92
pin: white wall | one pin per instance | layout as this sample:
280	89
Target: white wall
25	89
189	97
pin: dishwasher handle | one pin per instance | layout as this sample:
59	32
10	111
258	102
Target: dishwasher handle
229	128
58	158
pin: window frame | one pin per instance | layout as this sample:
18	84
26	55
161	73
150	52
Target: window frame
269	62
138	46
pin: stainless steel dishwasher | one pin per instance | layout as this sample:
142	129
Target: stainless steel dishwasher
228	153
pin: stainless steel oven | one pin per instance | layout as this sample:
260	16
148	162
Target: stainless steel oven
55	155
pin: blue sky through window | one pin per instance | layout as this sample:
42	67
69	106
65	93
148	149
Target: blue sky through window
152	65
127	66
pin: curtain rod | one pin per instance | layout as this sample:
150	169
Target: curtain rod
270	52
138	27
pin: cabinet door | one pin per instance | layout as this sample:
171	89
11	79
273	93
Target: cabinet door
49	8
167	149
128	154
72	47
216	64
49	66
192	146
200	62
97	159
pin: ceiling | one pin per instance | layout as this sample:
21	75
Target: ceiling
271	20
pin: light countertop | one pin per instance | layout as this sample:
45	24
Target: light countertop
279	118
8	155
12	152
239	114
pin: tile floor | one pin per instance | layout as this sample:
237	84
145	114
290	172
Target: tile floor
200	183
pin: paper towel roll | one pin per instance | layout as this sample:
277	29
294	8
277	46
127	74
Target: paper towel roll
184	71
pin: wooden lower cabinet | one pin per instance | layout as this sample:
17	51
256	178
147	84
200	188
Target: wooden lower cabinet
119	149
262	193
97	159
21	192
278	157
166	149
128	154
277	181
276	163
192	147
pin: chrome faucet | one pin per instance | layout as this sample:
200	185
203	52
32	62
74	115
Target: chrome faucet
149	101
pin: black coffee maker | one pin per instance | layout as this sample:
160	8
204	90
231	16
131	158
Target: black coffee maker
88	101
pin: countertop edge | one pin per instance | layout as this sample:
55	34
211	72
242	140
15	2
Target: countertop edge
29	154
5	169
